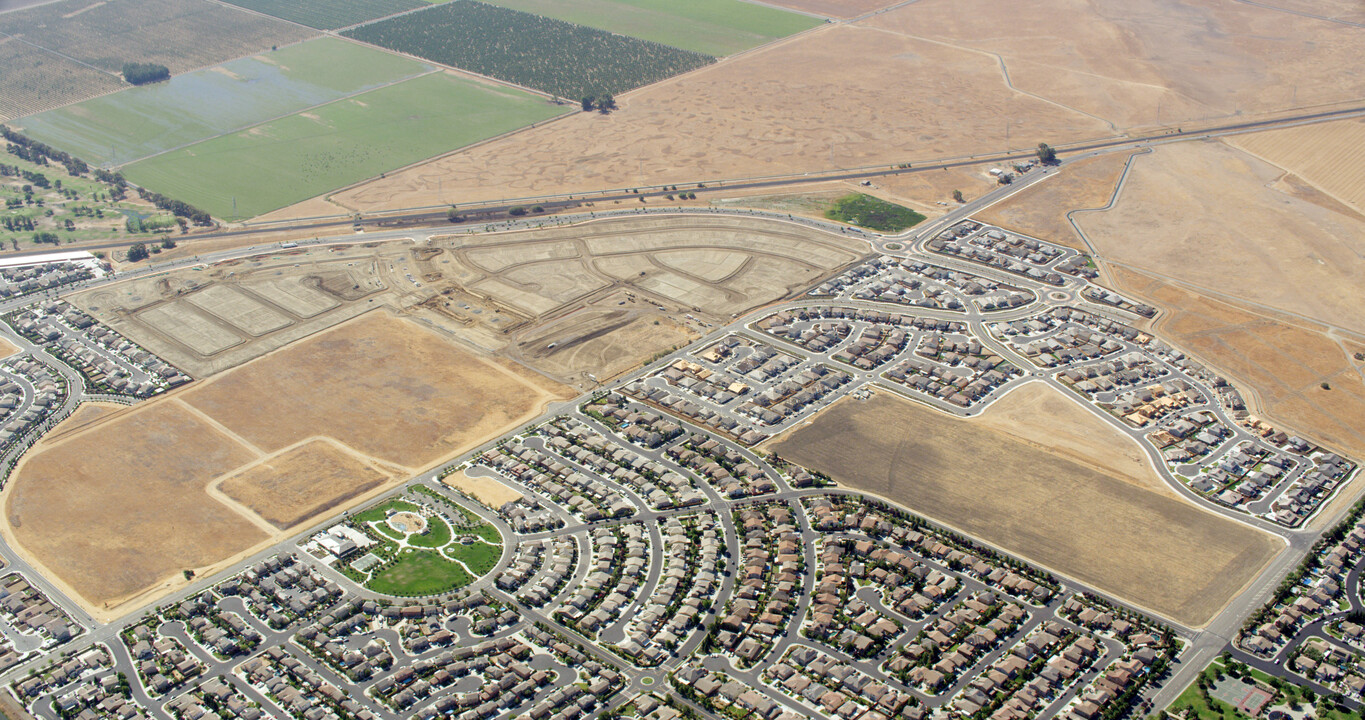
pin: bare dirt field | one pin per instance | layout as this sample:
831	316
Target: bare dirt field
1282	362
1072	432
119	508
1329	156
604	342
1085	524
488	491
379	384
1040	209
1149	62
7	348
1214	217
790	108
302	482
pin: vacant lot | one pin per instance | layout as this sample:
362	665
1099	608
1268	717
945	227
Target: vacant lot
120	508
1330	156
553	56
288	160
1073	432
603	342
35	80
180	34
1040	209
130	125
301	483
196	330
7	348
710	27
790	108
1132	542
486	490
378	384
1219	219
237	309
329	14
1281	362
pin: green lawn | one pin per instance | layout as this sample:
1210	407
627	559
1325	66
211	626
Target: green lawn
130	125
710	27
419	573
478	557
298	157
377	513
873	213
489	533
437	534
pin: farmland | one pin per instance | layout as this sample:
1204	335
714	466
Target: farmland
130	125
306	154
710	27
1328	156
1028	501
180	34
329	14
35	80
549	55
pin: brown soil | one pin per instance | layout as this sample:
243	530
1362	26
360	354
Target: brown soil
1044	417
488	491
302	482
1281	362
1330	156
1040	210
1091	526
835	8
378	384
605	343
1206	215
120	507
7	348
790	108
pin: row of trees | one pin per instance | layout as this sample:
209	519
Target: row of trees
178	207
39	153
604	102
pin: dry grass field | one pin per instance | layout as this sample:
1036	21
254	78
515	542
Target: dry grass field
1088	525
1218	219
1072	432
381	385
488	491
86	413
120	507
1329	156
302	482
7	348
1281	363
792	107
1123	59
1040	209
835	8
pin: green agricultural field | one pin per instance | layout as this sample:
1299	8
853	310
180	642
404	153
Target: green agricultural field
298	157
419	573
329	14
550	55
873	213
131	125
709	27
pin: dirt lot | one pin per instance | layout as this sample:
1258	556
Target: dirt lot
7	348
1082	523
1281	363
1072	432
1223	221
119	508
378	384
790	108
488	491
302	482
1329	156
1040	210
604	342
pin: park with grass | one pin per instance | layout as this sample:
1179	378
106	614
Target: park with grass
873	213
1211	696
425	544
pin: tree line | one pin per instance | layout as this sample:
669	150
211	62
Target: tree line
39	153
